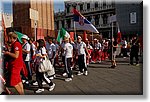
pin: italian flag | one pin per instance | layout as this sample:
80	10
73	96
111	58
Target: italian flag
19	36
62	33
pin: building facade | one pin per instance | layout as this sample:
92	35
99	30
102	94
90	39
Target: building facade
42	27
97	12
129	17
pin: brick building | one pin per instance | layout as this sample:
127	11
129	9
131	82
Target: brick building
23	23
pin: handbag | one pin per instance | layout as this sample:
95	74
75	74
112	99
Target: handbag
45	65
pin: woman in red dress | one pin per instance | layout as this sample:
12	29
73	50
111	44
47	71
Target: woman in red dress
15	64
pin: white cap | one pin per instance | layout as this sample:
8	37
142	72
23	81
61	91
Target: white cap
95	39
25	37
79	37
86	39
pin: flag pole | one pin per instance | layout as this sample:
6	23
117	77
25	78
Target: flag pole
92	36
112	41
74	31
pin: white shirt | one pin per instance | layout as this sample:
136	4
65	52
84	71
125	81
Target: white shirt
50	49
41	51
89	46
124	44
98	46
27	47
34	48
81	48
68	49
57	46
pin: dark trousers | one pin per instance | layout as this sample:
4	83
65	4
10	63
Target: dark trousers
40	77
63	60
124	51
68	67
81	63
27	63
132	55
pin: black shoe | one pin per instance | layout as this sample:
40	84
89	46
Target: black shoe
113	66
130	64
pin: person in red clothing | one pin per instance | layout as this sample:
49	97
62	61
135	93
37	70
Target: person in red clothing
15	63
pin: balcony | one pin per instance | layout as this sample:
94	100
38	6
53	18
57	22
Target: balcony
91	10
105	25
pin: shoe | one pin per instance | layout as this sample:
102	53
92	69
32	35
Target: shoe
52	87
130	64
35	83
27	82
72	76
79	73
71	67
68	79
137	64
23	81
124	57
64	74
112	66
43	83
99	61
92	62
52	77
86	73
39	90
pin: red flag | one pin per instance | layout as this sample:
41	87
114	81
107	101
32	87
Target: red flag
72	36
84	36
119	37
4	28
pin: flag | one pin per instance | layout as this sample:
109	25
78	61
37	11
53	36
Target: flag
4	29
82	23
62	33
72	36
19	36
119	37
84	36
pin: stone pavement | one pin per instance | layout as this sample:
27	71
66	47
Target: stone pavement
123	80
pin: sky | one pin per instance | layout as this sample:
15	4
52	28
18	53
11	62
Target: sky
58	5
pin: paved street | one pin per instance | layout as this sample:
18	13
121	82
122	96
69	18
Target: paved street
124	79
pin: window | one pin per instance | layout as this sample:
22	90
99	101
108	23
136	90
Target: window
104	3
96	4
68	23
97	20
105	19
89	18
57	24
88	5
62	22
68	9
81	7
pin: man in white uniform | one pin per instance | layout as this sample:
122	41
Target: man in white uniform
51	49
26	56
82	50
68	51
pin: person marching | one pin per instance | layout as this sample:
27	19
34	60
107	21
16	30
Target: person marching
26	56
90	49
15	63
134	50
40	77
113	46
82	50
68	51
97	51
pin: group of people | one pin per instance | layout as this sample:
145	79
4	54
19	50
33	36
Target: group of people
27	56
